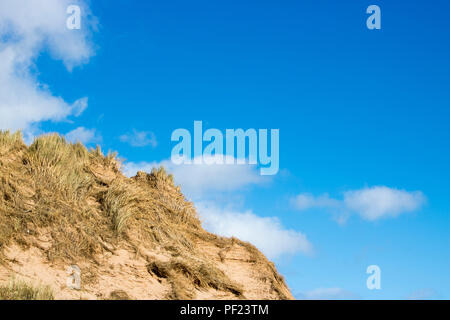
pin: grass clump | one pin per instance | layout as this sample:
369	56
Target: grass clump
119	201
11	140
162	175
119	295
187	274
61	164
50	184
20	290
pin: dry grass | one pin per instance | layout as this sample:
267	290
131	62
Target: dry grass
187	274
119	201
49	184
10	140
61	164
119	295
20	290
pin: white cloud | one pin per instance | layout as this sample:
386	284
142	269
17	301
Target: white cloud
327	294
197	180
378	202
26	29
370	203
79	106
83	135
266	233
139	138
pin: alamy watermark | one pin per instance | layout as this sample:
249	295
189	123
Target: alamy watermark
73	280
374	280
73	21
233	142
374	20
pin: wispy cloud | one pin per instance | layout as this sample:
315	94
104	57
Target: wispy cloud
266	233
370	203
26	29
306	201
139	138
83	135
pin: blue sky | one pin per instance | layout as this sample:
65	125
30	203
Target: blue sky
357	109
